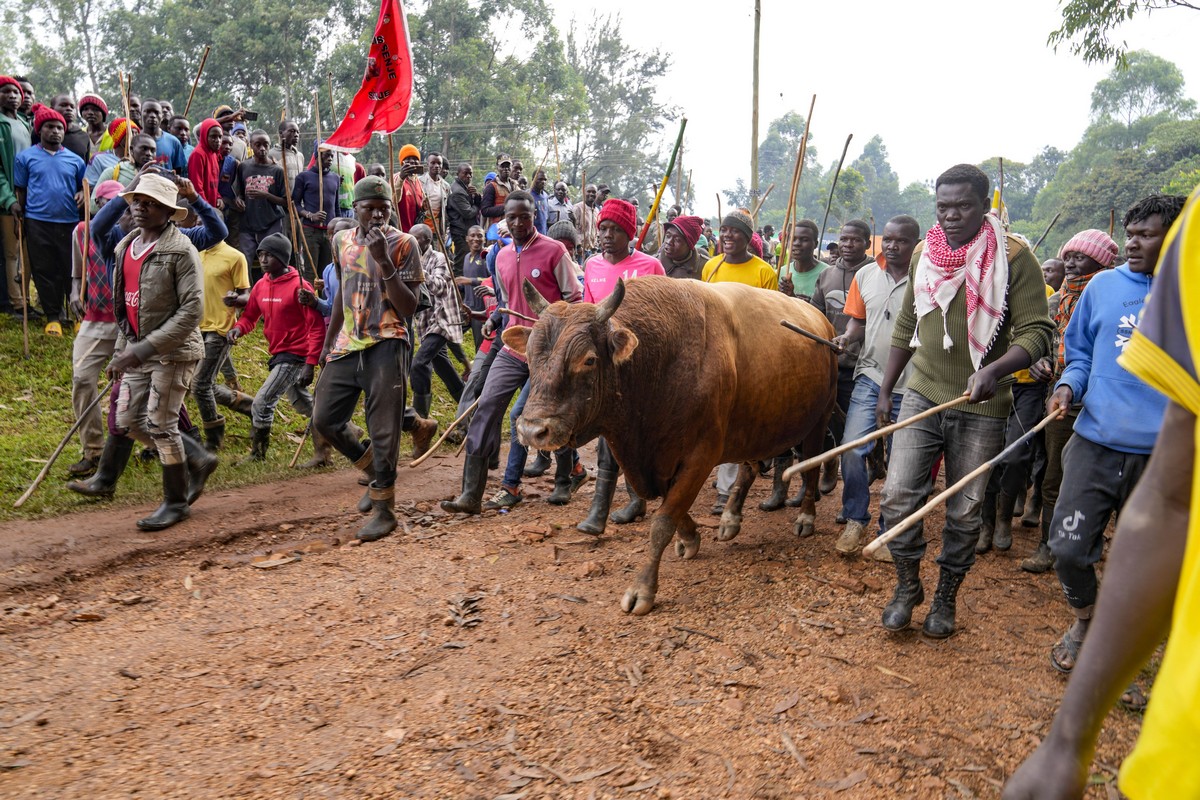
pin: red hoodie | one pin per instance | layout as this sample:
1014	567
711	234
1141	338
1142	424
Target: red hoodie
288	326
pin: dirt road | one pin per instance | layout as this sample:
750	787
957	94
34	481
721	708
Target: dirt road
488	658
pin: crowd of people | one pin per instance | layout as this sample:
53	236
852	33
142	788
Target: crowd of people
159	253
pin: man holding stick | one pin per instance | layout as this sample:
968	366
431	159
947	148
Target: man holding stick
800	280
976	302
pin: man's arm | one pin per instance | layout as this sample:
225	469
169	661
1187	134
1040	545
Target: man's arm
105	232
1078	343
488	203
337	316
568	284
1133	613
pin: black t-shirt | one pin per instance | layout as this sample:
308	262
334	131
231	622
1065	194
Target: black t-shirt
260	214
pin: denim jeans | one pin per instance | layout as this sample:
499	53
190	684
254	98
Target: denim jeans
280	381
215	348
860	420
967	440
517	452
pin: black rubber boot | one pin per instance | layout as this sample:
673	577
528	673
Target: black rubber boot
422	403
322	453
260	440
1032	513
988	526
829	477
174	508
606	485
473	483
233	399
366	463
1002	535
214	434
113	459
909	594
563	465
200	465
540	464
384	521
635	510
779	486
940	622
797	500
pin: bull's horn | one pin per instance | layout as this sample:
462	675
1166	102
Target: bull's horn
534	298
611	303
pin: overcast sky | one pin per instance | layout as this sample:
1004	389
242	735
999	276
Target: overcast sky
941	81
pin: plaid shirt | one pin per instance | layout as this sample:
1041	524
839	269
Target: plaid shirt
445	318
97	283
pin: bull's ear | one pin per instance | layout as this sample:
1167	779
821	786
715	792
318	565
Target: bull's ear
622	341
516	337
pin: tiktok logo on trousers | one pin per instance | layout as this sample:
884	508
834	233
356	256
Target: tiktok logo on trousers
1071	524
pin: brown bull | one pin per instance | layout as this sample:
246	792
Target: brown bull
680	376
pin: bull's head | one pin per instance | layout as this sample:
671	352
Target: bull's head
575	352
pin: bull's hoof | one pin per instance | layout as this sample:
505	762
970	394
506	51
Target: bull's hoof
686	547
638	600
805	525
731	526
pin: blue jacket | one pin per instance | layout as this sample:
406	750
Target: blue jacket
1119	411
107	233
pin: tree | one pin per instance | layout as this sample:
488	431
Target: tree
1134	99
881	196
60	42
1087	25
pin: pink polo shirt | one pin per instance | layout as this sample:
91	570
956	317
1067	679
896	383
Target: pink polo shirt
600	277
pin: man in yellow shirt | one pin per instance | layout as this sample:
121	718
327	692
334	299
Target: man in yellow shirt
1152	582
226	288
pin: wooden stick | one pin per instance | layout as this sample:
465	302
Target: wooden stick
128	119
833	186
662	187
687	190
829	455
433	448
758	206
554	134
834	346
87	237
199	72
391	164
299	447
23	258
1000	210
58	450
320	175
517	314
1046	232
1112	221
293	216
332	109
719	216
921	513
789	217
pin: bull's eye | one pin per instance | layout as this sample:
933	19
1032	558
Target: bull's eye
590	361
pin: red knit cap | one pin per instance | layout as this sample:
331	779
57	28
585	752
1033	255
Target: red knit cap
1096	244
119	128
8	80
93	100
43	114
688	227
756	245
622	213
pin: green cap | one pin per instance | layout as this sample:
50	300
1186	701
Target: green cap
372	187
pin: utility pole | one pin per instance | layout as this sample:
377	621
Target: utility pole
754	111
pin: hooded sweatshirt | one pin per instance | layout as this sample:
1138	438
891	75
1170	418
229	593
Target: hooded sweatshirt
294	332
204	164
1119	411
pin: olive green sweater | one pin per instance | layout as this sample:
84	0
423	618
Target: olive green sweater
941	375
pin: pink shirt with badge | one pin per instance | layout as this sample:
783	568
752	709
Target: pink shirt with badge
600	277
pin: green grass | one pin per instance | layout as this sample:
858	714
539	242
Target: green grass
35	413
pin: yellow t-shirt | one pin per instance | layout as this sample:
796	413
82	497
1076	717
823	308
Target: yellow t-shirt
1022	375
754	272
1163	353
224	271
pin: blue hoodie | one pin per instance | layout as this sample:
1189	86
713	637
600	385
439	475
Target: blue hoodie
1119	411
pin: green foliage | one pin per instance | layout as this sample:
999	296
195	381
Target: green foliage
1089	24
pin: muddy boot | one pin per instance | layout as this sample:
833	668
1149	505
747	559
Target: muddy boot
366	463
1032	514
829	477
779	486
200	465
214	434
233	399
260	439
635	510
174	508
1002	534
113	459
473	482
384	521
563	467
606	485
322	453
422	436
940	622
1040	561
988	525
797	500
541	463
422	403
909	594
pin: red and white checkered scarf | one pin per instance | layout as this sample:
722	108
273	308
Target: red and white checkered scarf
982	265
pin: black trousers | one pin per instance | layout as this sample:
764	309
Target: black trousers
381	373
1011	477
460	253
49	247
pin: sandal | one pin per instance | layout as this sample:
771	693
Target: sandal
1065	654
1133	699
54	329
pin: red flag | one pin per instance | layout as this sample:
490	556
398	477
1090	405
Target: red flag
381	104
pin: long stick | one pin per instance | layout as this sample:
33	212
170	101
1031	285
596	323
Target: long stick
332	110
719	216
418	462
293	216
662	187
834	346
789	217
1000	210
679	181
833	186
554	134
199	72
1112	221
758	206
87	234
391	164
1046	232
687	192
24	261
299	447
517	314
921	513
320	175
58	450
829	455
128	118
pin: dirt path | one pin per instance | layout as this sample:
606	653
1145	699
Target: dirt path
177	667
